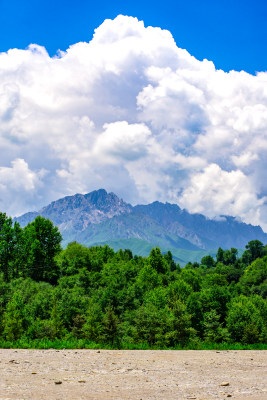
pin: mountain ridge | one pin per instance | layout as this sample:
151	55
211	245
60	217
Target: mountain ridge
101	217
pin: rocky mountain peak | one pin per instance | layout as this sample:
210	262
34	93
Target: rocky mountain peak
80	210
105	201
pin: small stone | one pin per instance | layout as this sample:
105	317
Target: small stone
225	384
58	382
229	395
98	351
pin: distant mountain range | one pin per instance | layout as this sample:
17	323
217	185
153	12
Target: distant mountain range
102	218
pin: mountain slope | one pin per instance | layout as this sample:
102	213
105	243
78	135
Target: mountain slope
133	225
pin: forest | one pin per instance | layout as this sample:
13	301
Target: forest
95	297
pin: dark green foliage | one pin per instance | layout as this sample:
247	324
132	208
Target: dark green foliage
168	257
226	257
255	249
246	320
11	247
110	327
213	330
195	309
254	279
157	261
13	318
94	295
92	328
208	261
182	331
42	243
151	325
29	252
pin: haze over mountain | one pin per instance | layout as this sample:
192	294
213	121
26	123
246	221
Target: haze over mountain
102	218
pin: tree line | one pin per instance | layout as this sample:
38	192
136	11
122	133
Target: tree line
118	299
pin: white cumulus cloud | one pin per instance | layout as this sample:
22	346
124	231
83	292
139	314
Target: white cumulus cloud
134	113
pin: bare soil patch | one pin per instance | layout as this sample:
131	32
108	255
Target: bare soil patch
135	375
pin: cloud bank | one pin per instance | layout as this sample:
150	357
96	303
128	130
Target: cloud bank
133	113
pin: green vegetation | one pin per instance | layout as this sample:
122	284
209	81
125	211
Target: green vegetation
95	297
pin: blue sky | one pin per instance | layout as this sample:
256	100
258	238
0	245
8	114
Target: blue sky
231	33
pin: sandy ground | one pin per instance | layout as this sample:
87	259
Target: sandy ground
135	375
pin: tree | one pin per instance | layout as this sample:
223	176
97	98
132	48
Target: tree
6	243
227	257
179	290
110	326
147	278
73	258
208	261
230	256
215	298
157	261
245	322
152	325
93	328
192	277
219	255
254	279
194	308
56	322
255	249
181	323
168	257
11	254
213	330
42	244
13	319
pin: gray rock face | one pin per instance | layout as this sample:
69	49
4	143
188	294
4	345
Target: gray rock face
99	217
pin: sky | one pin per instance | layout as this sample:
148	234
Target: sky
154	101
231	33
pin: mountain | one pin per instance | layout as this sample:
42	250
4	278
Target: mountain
74	213
205	233
102	218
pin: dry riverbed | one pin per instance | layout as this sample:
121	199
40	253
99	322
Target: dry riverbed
135	375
